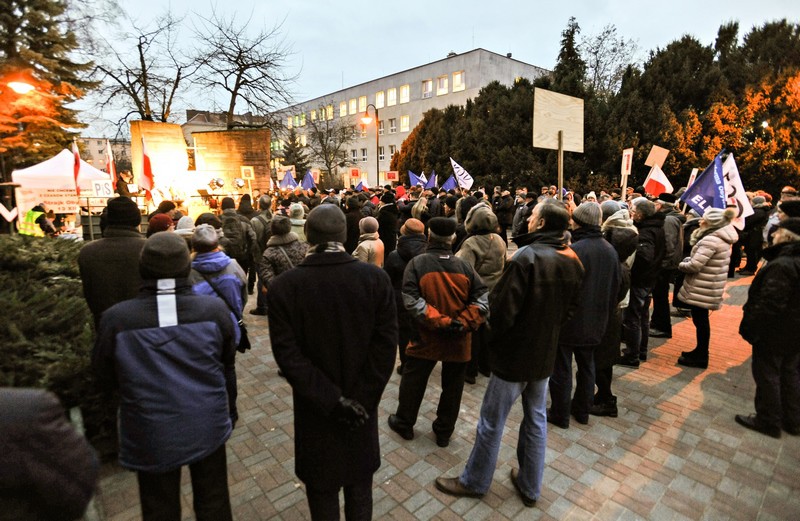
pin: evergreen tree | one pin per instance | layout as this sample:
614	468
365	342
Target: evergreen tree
37	47
295	154
569	74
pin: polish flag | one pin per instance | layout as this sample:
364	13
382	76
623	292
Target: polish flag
77	165
146	179
657	182
110	167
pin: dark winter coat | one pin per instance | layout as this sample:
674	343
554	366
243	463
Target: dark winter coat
537	293
504	209
599	290
650	251
352	217
109	269
752	235
388	216
274	262
408	247
673	239
48	470
772	311
333	329
171	362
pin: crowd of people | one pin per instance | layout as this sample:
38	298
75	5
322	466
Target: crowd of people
512	287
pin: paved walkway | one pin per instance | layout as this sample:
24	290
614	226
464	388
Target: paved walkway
675	451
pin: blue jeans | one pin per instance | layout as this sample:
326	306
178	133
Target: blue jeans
500	396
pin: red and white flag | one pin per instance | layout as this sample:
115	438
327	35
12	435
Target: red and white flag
146	179
77	165
110	167
657	182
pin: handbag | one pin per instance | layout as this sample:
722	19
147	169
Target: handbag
244	341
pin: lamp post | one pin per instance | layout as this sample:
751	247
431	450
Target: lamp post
366	120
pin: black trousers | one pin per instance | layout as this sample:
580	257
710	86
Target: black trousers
602	379
561	383
660	318
324	504
703	327
777	377
160	494
416	372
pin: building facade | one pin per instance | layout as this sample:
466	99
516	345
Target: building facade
93	151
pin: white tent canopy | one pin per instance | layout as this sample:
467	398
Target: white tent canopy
52	182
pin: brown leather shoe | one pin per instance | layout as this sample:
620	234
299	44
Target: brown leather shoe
528	502
453	487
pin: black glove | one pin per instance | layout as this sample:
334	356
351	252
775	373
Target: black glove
350	413
455	326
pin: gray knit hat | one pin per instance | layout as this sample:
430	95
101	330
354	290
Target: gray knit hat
205	238
326	223
588	214
296	211
717	217
165	256
609	208
368	225
280	225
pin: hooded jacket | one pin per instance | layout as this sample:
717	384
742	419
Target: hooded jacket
483	249
707	269
650	251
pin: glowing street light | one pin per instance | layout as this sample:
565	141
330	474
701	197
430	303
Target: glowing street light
765	124
366	119
21	87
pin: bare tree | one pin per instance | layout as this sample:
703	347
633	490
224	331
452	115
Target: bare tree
607	55
327	139
148	79
248	68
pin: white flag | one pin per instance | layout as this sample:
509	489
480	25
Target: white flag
462	176
734	192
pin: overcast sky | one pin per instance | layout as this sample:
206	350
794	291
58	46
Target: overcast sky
342	43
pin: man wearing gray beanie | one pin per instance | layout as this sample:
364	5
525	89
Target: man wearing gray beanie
333	328
109	266
169	352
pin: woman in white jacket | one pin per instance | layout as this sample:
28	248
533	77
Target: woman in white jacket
706	272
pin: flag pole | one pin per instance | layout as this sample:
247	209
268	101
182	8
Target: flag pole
560	165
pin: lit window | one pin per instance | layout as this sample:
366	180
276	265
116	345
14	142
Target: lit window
380	127
363	155
405	93
329	111
289	122
303	141
392	125
391	97
352	107
392	150
381	155
303	119
427	89
297	121
380	99
342	109
403	123
362	103
441	85
458	81
313	115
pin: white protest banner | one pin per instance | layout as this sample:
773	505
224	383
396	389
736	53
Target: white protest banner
625	171
734	192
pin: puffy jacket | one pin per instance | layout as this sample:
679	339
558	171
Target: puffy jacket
228	277
283	253
438	288
773	302
169	352
707	269
483	249
370	249
537	293
649	253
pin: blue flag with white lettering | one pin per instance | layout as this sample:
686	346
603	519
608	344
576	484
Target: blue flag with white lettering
413	179
450	184
431	180
708	190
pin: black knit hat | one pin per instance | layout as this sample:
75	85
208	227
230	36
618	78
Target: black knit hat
387	198
326	223
792	224
790	207
442	226
165	256
122	211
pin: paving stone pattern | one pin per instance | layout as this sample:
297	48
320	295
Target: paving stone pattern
673	453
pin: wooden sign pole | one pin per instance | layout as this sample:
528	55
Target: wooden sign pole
560	165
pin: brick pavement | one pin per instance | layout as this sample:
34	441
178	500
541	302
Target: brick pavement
674	452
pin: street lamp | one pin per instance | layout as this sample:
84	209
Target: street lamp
366	120
20	87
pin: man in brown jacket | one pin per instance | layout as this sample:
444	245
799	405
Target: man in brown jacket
448	301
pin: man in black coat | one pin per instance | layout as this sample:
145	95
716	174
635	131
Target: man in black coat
646	267
109	266
333	328
387	216
770	321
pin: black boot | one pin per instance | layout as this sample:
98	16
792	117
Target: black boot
694	359
607	408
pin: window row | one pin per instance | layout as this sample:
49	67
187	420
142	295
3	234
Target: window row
364	157
387	98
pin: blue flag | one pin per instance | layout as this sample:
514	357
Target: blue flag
431	180
360	186
288	180
450	184
413	179
708	190
308	181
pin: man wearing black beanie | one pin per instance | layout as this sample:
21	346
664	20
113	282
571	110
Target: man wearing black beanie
109	266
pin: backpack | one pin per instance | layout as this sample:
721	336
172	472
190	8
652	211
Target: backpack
264	236
233	230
